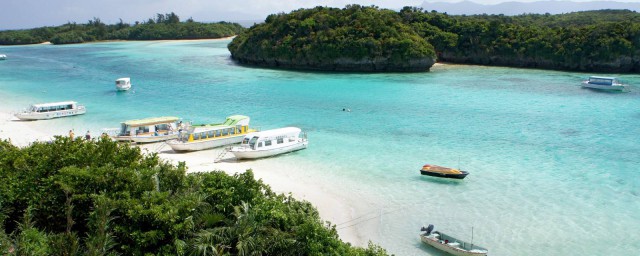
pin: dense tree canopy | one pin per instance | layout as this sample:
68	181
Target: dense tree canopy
354	38
605	40
164	26
79	197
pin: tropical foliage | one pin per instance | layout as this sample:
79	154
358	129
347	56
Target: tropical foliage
605	40
352	38
164	26
79	197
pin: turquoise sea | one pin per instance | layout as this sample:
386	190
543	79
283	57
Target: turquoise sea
554	167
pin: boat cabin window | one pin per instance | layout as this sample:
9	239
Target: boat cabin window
601	81
232	130
218	132
260	144
225	132
245	140
267	143
210	134
280	140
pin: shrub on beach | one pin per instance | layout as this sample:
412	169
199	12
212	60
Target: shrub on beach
79	197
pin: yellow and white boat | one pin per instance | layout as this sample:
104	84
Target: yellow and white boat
200	137
148	130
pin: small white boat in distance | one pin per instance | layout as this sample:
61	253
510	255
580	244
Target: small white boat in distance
201	137
450	244
51	110
270	143
148	130
123	84
3	56
604	83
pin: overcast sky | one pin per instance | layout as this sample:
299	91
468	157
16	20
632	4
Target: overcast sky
18	14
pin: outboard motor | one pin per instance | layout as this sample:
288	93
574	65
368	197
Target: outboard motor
427	230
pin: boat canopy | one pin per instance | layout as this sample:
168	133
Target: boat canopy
229	122
602	80
151	121
233	120
286	131
54	104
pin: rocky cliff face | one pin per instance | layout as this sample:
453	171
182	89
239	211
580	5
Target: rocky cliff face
342	64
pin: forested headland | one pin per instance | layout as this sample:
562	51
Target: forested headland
163	27
81	197
322	38
355	38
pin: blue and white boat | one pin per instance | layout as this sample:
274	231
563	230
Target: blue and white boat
604	83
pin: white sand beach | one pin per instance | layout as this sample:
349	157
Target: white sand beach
334	207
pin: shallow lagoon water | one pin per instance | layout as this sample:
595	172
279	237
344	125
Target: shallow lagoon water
554	167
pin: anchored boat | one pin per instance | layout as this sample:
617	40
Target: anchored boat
208	136
451	244
444	172
123	84
51	110
148	130
604	83
270	143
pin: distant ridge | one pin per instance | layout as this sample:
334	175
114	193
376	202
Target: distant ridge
516	8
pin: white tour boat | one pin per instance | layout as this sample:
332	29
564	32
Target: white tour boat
148	130
604	83
451	244
270	143
200	137
123	84
51	110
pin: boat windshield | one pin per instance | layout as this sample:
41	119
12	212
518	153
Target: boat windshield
124	130
252	142
245	140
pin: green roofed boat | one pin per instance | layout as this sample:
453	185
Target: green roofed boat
207	136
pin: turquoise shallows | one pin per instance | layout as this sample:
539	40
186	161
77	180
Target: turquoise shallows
554	168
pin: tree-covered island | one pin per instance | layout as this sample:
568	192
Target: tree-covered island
355	38
80	197
163	27
358	38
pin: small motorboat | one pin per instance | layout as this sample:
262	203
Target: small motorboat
451	244
3	56
605	84
123	84
444	172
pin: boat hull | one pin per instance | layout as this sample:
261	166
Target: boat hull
50	115
123	88
445	175
447	247
242	153
617	88
146	138
180	146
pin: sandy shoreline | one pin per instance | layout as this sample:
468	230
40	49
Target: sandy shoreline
334	207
